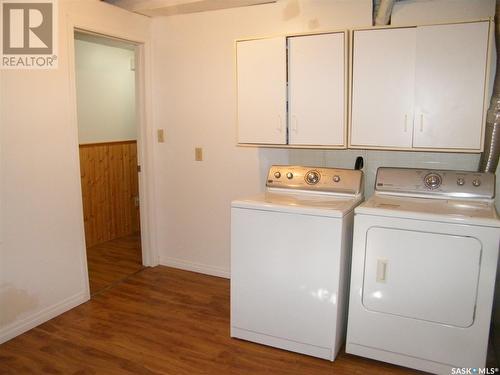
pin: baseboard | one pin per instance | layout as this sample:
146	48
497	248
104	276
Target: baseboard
195	267
17	328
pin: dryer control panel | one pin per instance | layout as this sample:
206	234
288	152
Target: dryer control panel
436	183
332	180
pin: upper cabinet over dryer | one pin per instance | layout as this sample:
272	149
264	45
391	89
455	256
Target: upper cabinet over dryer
292	90
420	87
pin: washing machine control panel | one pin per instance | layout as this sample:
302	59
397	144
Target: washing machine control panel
344	181
445	183
433	180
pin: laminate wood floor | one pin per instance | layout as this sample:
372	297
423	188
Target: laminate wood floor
112	261
161	321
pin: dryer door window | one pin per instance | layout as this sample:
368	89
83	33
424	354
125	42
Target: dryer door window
421	275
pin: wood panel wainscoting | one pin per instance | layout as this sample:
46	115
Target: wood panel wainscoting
110	190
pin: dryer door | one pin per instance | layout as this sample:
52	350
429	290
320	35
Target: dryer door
420	275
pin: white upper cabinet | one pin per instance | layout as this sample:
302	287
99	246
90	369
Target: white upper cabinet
261	69
450	79
383	87
299	100
316	90
420	87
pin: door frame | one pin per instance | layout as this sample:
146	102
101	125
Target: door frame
145	140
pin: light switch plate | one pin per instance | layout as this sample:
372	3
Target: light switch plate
198	154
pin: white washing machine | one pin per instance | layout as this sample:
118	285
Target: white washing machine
423	270
290	259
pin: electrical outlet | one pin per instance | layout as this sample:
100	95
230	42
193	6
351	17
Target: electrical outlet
198	154
161	135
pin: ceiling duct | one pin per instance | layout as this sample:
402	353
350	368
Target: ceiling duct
383	11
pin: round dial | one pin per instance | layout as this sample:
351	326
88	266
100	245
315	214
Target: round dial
312	177
432	180
289	175
277	174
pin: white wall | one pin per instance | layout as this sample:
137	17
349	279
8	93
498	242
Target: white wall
42	251
195	101
105	86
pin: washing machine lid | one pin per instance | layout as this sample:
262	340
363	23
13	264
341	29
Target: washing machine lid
456	211
300	203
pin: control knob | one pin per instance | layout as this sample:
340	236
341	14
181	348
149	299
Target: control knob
476	182
336	178
312	177
277	174
432	180
289	175
460	181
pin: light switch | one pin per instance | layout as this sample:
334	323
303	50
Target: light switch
198	154
161	136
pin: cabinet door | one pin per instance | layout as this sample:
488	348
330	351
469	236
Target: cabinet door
450	79
261	67
316	89
383	87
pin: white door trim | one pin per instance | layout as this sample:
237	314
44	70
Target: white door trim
145	139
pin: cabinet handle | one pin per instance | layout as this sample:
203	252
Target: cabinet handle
406	122
421	122
295	124
280	124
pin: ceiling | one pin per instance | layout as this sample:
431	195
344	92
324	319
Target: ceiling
154	8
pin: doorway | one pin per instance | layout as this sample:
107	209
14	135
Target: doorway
106	93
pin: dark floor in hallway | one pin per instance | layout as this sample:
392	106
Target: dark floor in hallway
112	261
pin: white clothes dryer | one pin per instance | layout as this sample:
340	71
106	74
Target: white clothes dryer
424	261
